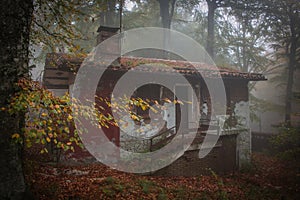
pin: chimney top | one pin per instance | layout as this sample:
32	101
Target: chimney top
105	32
108	29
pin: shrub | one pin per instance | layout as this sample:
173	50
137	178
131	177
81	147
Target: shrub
287	143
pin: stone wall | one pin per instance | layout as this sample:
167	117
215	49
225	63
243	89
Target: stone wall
222	160
238	106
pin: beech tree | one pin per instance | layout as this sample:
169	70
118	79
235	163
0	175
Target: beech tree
213	5
166	12
22	21
15	29
284	17
47	22
282	26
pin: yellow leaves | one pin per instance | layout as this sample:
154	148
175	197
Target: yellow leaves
144	107
178	102
108	103
75	106
44	151
66	129
28	143
15	136
51	117
140	103
70	117
43	141
153	110
32	133
167	100
134	117
62	101
188	102
41	132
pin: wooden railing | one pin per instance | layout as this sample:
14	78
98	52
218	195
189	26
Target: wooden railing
163	138
166	136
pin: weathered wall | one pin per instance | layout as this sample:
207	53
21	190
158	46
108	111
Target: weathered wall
222	160
237	96
237	91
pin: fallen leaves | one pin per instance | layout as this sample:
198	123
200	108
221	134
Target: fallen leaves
96	181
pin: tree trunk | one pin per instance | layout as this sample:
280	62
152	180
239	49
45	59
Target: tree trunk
212	6
108	17
166	17
165	13
291	67
244	46
15	25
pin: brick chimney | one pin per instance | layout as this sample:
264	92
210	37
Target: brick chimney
114	48
105	32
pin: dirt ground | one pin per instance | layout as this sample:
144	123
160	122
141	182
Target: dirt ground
265	178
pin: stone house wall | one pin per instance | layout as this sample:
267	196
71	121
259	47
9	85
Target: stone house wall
221	160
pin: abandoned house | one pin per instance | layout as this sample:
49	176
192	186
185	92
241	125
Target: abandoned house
234	144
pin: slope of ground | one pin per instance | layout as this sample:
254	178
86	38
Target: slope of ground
265	178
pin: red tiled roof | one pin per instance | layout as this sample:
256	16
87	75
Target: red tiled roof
67	62
189	68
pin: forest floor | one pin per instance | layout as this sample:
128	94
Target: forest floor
266	178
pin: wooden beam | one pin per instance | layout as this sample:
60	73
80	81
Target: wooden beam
58	78
58	86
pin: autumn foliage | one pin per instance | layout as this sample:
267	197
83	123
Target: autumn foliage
50	120
268	178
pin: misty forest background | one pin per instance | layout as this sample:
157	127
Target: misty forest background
251	36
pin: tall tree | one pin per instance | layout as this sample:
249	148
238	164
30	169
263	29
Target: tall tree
247	40
15	28
143	13
22	22
212	6
107	16
166	12
283	19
